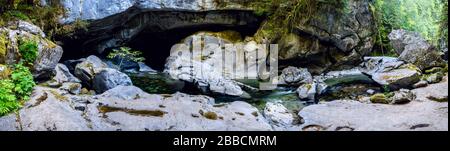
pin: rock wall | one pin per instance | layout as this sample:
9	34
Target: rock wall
331	38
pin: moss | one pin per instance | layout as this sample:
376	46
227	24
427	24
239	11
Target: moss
5	72
239	113
379	98
58	96
3	46
156	113
434	70
445	99
210	115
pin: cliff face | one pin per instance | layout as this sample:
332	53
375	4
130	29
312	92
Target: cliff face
94	9
330	38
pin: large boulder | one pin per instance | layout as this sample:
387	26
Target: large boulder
331	38
404	76
391	72
87	69
143	112
280	117
128	108
63	75
208	69
108	78
295	76
49	53
414	49
50	110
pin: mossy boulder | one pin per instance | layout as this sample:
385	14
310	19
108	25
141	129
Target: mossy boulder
379	98
16	32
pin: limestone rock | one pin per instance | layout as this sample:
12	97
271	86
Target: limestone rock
208	69
108	78
338	43
414	49
435	92
63	75
353	115
87	69
403	96
403	77
72	88
8	123
279	115
48	110
307	91
295	76
171	113
49	53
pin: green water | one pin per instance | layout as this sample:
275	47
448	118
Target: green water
158	83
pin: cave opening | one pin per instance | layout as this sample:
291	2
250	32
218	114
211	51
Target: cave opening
156	46
160	31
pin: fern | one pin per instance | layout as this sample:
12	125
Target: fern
8	101
23	81
29	51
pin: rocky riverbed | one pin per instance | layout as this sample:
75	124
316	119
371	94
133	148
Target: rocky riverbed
326	78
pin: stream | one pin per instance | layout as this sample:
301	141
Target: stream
160	83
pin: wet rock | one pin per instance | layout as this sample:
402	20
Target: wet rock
414	49
279	116
87	69
295	76
108	78
63	75
404	76
144	68
351	76
307	92
335	115
403	96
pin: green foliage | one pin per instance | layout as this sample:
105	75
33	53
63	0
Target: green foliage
46	17
125	53
423	16
23	81
8	101
29	51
